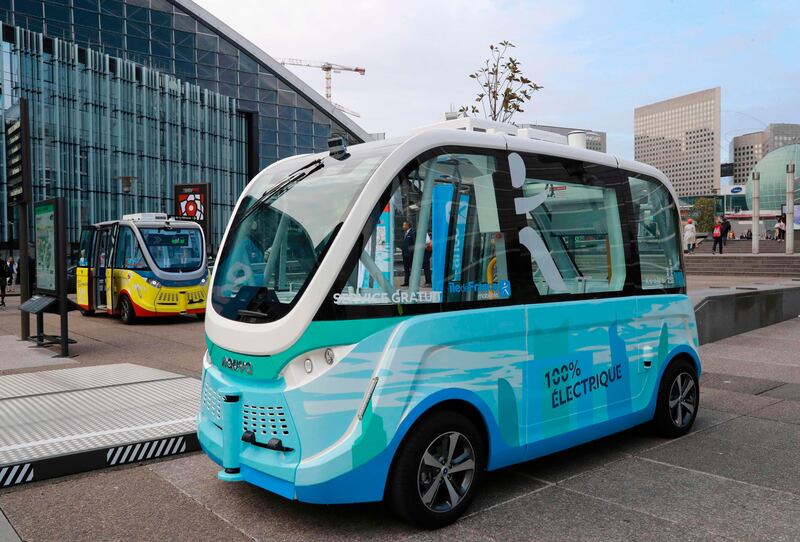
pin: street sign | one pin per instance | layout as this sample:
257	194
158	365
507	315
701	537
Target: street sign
18	169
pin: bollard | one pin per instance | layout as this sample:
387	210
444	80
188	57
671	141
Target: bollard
231	407
756	229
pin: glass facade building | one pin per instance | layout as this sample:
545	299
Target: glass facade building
158	90
772	175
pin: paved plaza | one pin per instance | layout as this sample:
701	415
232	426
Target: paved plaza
735	476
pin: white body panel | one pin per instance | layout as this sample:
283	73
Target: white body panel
274	337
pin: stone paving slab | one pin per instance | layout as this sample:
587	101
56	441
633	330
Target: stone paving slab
785	391
756	451
124	504
557	514
24	355
741	384
785	411
699	502
734	402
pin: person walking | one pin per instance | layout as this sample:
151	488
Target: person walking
690	236
726	230
4	274
716	234
782	229
407	248
12	273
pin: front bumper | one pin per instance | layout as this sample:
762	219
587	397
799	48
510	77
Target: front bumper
263	409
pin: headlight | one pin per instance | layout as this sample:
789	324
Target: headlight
203	280
206	361
311	365
154	283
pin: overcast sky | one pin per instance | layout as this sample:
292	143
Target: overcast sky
597	61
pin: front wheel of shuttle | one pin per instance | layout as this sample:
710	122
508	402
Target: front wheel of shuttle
126	313
436	471
678	399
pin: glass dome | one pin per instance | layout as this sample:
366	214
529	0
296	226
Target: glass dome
773	178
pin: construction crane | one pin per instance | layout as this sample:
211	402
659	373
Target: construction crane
329	68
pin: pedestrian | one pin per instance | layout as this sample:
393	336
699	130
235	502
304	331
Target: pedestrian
4	274
426	261
12	273
690	236
726	228
749	234
407	248
782	229
716	234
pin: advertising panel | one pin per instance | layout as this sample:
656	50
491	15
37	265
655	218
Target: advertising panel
46	243
193	201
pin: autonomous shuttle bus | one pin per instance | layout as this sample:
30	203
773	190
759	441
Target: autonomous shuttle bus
143	265
393	320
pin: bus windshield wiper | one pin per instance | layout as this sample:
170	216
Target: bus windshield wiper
294	177
254	314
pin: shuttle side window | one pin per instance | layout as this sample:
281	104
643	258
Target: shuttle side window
129	254
574	231
436	240
85	250
657	235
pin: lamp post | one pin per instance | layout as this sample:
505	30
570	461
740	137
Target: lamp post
127	183
756	210
789	208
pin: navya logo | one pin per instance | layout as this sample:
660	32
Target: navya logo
736	189
237	365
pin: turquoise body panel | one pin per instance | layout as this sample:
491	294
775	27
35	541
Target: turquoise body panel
542	377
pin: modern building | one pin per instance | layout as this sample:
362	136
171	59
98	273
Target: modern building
158	91
772	175
748	149
595	139
681	137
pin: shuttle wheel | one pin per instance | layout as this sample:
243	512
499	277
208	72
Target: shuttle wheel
437	470
126	313
678	399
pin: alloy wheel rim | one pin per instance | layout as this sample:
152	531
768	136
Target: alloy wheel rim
682	400
125	310
446	471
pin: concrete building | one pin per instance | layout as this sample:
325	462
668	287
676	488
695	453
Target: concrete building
748	149
681	137
158	90
595	140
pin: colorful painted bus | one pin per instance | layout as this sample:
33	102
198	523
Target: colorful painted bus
146	264
393	320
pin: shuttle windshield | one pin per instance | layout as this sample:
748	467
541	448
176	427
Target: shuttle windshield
176	250
281	230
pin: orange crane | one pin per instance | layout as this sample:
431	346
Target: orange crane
329	68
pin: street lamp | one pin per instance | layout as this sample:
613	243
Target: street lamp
127	183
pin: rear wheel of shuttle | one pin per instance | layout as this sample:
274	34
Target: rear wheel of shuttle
678	399
436	470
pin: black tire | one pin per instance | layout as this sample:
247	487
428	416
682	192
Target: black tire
87	312
126	313
201	316
674	419
410	475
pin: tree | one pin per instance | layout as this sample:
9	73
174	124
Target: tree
705	210
503	87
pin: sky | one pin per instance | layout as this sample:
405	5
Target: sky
597	61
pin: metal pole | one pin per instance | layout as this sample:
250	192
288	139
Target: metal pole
24	271
789	208
61	277
756	210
